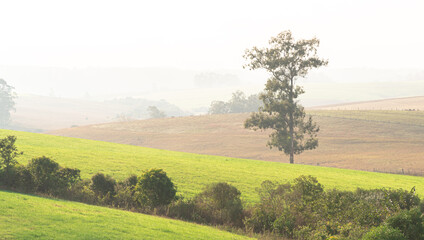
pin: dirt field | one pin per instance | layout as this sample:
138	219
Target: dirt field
389	142
409	103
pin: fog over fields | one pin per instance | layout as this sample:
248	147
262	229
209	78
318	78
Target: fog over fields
189	53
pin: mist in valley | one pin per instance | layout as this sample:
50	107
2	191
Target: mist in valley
70	69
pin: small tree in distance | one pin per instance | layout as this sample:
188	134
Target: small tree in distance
286	60
154	112
7	102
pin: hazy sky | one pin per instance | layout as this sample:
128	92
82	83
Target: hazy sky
206	34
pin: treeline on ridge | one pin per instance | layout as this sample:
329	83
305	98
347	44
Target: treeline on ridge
300	209
239	103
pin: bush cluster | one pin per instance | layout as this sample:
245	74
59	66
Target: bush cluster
218	204
303	210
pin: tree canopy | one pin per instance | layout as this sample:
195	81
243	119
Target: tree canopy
286	60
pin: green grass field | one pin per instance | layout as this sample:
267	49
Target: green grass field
28	217
191	172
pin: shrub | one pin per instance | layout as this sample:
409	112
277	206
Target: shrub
44	172
154	188
124	197
384	232
185	210
23	179
69	176
130	182
285	224
308	187
103	185
409	222
404	199
220	203
81	192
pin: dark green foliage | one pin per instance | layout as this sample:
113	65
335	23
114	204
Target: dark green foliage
185	210
130	182
239	103
286	60
8	154
81	192
154	188
44	173
285	207
46	176
22	179
102	184
308	187
124	197
404	199
384	232
69	176
7	102
409	222
220	203
303	210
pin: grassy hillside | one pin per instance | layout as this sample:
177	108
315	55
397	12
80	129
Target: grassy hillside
363	140
27	217
191	172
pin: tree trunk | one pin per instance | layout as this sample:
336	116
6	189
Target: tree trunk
291	139
291	123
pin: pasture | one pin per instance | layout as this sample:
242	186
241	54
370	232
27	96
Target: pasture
31	217
192	172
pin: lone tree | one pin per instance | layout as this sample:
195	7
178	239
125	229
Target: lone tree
286	60
7	102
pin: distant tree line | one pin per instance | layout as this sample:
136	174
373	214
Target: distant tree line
299	209
239	103
138	108
7	102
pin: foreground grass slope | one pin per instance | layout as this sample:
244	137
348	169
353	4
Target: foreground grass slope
386	141
192	172
27	217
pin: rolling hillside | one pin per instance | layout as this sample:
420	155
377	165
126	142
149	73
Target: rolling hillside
30	217
387	141
408	103
192	172
39	113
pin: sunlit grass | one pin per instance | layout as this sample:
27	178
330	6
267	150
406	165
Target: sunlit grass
192	172
28	217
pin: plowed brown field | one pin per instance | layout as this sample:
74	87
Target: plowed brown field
386	141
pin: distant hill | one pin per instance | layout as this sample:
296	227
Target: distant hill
365	140
39	113
408	104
